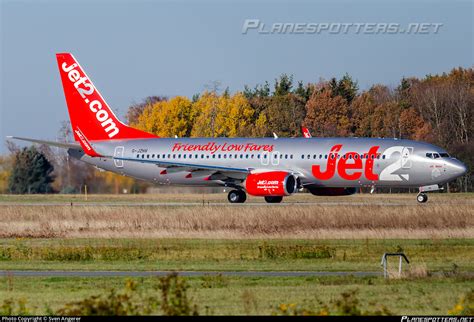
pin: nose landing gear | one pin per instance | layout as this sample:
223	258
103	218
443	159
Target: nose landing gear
236	196
422	197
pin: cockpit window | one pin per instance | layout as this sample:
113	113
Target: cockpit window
433	155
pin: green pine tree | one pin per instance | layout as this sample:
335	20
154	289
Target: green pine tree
283	85
31	173
346	87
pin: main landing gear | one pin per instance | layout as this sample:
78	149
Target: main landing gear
422	197
239	196
236	196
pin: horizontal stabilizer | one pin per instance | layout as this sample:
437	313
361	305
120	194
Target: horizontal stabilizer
65	145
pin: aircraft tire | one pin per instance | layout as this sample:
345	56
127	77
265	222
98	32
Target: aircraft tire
236	196
422	198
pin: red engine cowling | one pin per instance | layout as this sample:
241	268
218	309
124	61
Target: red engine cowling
275	183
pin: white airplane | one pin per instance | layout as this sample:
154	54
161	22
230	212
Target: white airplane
268	167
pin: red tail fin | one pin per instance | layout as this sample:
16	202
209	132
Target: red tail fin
90	115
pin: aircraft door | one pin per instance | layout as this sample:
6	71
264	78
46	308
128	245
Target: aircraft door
119	150
406	157
265	158
275	158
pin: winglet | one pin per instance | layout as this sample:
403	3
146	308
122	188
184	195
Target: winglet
306	132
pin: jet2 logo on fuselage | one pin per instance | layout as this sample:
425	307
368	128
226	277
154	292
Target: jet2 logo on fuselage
352	161
342	165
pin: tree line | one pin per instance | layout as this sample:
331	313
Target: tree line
437	109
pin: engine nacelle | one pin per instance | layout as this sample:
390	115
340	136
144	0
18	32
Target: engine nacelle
323	191
274	183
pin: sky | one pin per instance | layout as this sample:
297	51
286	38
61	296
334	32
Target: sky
134	49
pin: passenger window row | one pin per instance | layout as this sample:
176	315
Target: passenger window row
212	156
253	156
356	156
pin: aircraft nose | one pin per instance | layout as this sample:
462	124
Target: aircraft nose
457	168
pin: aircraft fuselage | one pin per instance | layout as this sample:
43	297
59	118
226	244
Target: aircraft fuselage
324	162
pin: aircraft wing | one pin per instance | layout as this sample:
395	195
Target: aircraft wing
205	171
211	172
65	145
166	164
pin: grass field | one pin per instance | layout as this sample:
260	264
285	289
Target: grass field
353	217
232	255
334	234
232	295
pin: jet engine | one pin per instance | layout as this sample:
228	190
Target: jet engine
274	183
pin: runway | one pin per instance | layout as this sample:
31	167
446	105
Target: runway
60	273
193	204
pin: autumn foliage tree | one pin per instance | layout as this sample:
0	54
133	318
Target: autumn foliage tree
135	110
222	115
6	165
327	115
413	126
281	111
167	118
283	115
